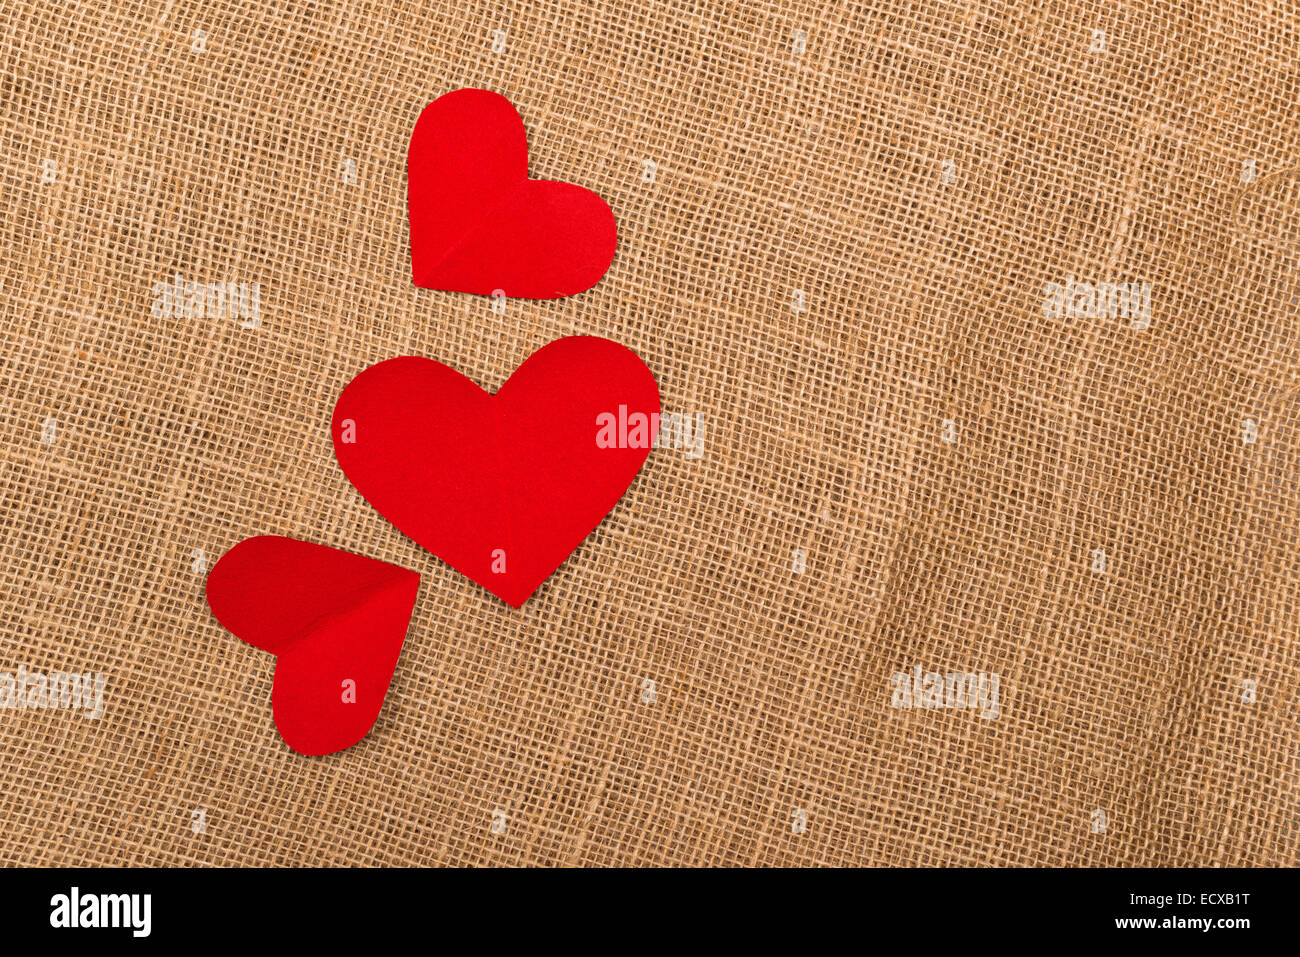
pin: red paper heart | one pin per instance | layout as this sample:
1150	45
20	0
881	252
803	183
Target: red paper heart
330	617
479	224
519	476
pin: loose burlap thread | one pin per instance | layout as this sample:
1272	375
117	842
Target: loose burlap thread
837	222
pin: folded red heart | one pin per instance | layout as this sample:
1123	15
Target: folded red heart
480	225
501	487
336	622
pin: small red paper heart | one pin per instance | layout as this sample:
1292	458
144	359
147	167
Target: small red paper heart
503	487
336	621
479	224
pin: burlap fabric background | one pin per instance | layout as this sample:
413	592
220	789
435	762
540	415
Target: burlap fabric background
919	172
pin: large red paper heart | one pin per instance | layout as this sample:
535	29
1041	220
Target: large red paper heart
336	622
479	224
503	487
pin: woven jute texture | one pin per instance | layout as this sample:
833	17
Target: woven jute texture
838	229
